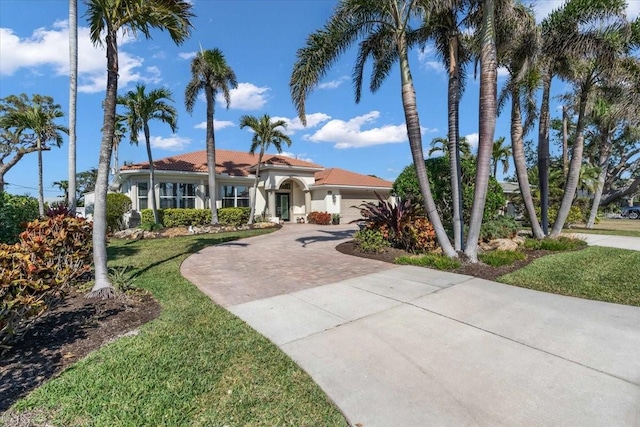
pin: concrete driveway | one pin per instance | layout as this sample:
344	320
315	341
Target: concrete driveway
407	346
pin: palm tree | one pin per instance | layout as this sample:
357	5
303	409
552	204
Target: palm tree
63	186
73	98
599	48
210	74
500	155
487	124
141	108
444	26
441	145
383	26
38	115
107	18
265	133
119	131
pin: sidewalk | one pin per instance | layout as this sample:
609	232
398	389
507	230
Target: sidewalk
411	346
621	242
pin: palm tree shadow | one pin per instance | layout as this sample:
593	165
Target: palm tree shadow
329	236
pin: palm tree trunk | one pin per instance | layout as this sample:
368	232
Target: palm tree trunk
73	97
565	140
255	187
211	156
494	170
152	176
573	177
488	108
40	181
415	142
543	154
517	147
454	143
605	152
102	287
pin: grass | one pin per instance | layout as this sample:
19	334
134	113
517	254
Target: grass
597	273
501	258
559	244
617	227
196	365
439	262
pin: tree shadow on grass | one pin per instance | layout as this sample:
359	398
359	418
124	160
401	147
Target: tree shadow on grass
120	252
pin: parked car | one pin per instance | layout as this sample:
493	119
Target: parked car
631	212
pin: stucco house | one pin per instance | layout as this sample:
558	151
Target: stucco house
288	189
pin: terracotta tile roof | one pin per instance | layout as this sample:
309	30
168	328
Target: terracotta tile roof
235	163
335	176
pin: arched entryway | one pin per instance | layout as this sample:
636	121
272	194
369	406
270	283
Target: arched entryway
291	201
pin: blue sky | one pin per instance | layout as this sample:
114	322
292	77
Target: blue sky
259	39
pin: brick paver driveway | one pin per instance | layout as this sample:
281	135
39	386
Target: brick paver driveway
299	256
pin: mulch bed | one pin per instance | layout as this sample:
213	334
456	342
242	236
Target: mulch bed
67	333
480	270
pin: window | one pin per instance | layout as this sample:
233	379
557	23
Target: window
235	196
143	195
168	195
187	195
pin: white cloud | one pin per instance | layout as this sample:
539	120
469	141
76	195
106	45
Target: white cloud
302	156
217	124
246	96
472	139
428	60
350	134
333	84
503	72
295	124
187	55
49	47
161	54
170	143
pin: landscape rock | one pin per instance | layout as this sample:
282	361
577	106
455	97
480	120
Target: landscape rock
499	245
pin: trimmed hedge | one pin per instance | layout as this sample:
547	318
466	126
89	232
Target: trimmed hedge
175	217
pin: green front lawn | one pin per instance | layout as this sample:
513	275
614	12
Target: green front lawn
598	273
196	365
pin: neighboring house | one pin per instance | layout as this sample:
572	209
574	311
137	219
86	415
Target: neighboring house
288	189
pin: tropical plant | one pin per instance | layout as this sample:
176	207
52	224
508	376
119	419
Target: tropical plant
210	74
63	185
140	109
108	18
73	98
35	119
265	133
15	213
382	26
500	155
441	145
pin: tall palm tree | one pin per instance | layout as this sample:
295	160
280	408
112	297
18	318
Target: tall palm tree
563	40
140	109
265	133
599	48
487	124
500	155
441	145
519	40
210	74
444	25
119	131
37	115
382	26
106	19
73	98
63	185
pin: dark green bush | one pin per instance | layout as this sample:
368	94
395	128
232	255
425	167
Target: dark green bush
175	217
370	240
439	262
500	258
499	227
558	244
406	185
117	205
150	226
15	213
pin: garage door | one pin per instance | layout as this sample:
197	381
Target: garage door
350	199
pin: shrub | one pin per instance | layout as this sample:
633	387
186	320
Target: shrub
406	185
117	205
233	216
370	240
320	218
439	262
500	227
56	209
150	226
421	235
500	258
576	215
34	273
15	213
561	243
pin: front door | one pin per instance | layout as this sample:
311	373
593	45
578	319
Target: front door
282	206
